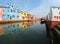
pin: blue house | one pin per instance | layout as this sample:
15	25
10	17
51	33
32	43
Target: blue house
10	13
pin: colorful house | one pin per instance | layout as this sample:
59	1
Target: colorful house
8	13
23	15
29	16
33	17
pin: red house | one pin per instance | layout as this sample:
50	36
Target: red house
29	16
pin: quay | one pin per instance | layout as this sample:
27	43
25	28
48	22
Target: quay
13	21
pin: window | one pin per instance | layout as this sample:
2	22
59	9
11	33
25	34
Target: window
59	12
8	15
12	6
24	13
58	8
53	7
23	17
59	17
3	15
11	10
26	16
14	10
8	10
17	16
54	16
13	16
3	10
17	11
31	17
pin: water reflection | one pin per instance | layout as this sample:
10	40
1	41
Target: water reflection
1	31
54	37
24	33
15	27
24	25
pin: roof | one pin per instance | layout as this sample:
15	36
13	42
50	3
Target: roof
3	7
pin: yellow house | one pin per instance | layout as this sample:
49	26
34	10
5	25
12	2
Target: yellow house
23	15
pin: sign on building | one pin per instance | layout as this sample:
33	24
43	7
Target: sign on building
55	14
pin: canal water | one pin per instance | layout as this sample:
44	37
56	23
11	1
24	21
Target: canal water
23	33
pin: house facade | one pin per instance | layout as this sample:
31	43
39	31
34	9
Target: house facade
8	13
29	16
23	15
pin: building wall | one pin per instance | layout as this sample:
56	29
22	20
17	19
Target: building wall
34	18
5	13
29	16
10	13
22	15
1	13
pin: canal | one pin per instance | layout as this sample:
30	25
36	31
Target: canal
23	33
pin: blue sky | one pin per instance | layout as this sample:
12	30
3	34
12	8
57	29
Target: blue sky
25	5
39	8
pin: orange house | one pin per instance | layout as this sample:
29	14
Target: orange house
29	16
